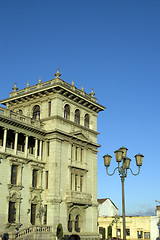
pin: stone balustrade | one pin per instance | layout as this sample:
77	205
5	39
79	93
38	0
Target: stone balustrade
22	234
79	197
20	117
53	82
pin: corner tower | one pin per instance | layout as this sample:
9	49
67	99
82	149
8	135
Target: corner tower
58	135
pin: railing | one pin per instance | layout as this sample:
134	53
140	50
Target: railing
33	229
13	115
78	197
52	82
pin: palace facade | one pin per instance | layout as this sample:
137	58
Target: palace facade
48	154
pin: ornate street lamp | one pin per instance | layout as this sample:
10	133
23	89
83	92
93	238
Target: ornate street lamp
123	165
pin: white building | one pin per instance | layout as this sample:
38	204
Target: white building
48	170
106	208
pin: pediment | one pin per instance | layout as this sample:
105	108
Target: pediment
80	135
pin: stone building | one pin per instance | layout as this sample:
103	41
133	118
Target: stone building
48	169
137	227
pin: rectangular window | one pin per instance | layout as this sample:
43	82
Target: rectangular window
76	154
147	235
71	181
12	212
14	171
81	183
45	215
81	154
33	214
38	148
46	179
34	178
49	108
127	232
139	234
48	148
72	152
76	182
42	149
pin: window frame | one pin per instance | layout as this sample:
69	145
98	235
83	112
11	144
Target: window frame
34	178
67	111
86	120
36	113
12	212
77	116
14	174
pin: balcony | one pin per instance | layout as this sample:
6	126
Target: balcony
78	197
8	114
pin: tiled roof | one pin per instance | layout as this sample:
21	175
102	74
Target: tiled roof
102	200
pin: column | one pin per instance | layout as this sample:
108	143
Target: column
26	146
16	142
36	147
4	139
40	149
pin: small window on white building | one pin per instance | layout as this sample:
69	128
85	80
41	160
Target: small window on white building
127	232
147	235
86	120
67	112
12	212
14	173
139	234
77	116
36	112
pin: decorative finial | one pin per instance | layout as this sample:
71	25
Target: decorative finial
92	93
27	83
82	89
72	82
57	74
15	88
39	79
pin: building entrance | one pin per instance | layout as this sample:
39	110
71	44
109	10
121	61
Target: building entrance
74	237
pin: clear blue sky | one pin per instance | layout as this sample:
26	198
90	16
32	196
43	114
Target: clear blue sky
112	46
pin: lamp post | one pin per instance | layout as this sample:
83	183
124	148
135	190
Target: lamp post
123	165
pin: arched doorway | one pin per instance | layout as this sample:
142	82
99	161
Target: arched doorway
74	237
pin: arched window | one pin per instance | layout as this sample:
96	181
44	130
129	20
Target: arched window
67	112
69	224
20	111
86	120
77	116
77	228
36	112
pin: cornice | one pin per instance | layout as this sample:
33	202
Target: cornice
56	85
59	134
20	159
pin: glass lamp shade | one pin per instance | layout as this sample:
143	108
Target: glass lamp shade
124	149
139	159
126	163
107	160
118	154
